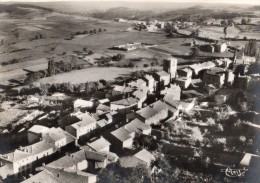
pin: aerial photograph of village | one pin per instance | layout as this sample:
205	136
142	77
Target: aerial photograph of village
129	91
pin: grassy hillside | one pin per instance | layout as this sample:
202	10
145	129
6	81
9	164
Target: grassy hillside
23	10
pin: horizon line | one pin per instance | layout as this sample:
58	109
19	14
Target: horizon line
224	2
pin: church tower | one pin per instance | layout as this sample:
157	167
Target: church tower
170	66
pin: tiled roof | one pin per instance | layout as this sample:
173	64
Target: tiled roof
121	134
96	156
38	129
145	156
69	160
123	89
168	98
99	144
137	83
101	123
86	119
162	73
216	71
60	175
38	147
15	156
126	102
186	69
140	94
152	109
54	134
203	65
103	107
136	126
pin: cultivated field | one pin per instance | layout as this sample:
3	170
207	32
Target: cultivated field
86	75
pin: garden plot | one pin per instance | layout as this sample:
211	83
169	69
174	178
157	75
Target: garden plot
30	28
87	75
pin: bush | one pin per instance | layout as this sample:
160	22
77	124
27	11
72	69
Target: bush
219	127
242	139
211	122
118	57
196	134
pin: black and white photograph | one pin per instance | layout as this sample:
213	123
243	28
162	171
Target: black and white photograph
129	91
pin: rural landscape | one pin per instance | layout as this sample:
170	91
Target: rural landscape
129	92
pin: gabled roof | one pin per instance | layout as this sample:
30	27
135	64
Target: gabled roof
186	69
145	156
38	129
162	73
69	160
139	94
123	89
103	107
82	103
101	123
121	134
126	102
201	66
173	89
137	83
95	156
106	100
142	157
15	156
59	175
137	126
56	134
99	144
152	109
38	147
168	98
86	119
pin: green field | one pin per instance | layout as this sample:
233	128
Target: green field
86	75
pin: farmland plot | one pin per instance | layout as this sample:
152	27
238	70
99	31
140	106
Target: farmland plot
86	75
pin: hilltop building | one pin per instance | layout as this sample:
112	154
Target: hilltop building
170	66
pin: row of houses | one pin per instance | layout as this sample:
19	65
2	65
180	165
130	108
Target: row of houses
44	143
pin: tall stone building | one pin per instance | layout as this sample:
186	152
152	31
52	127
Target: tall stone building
170	66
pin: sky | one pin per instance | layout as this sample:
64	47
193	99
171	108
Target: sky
256	2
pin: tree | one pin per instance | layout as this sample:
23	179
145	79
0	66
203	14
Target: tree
51	67
196	134
230	22
243	21
225	30
249	20
131	65
85	32
95	31
251	49
118	57
99	30
224	22
195	52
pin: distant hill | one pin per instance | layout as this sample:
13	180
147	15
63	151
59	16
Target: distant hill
23	10
123	12
254	8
